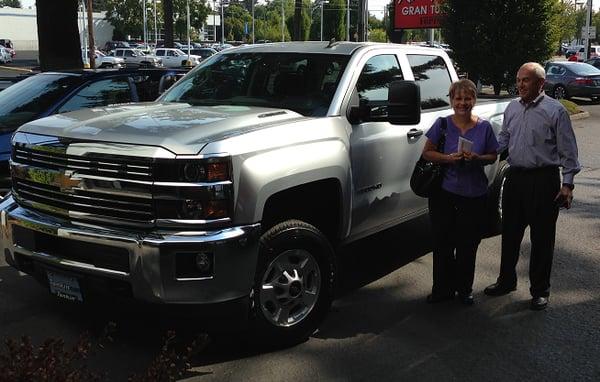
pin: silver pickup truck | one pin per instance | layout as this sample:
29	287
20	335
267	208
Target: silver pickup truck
237	185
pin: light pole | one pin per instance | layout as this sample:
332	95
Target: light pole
215	20
145	24
252	21
187	6
347	20
282	22
322	2
155	27
588	20
222	25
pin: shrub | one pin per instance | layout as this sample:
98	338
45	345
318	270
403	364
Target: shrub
571	106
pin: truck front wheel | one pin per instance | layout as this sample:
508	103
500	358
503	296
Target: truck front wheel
294	282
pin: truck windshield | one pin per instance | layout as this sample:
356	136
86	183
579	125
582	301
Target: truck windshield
304	83
28	99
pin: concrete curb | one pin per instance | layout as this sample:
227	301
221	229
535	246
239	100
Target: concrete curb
22	70
581	115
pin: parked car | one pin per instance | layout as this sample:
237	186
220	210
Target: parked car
204	53
51	93
176	58
102	61
234	190
5	56
112	45
594	51
565	79
576	50
137	58
10	51
594	62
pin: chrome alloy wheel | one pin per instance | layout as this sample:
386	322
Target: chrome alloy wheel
290	287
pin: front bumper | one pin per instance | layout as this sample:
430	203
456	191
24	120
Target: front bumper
144	262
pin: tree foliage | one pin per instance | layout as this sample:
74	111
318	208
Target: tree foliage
10	3
492	39
127	16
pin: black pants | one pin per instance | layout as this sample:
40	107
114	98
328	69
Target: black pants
457	223
528	200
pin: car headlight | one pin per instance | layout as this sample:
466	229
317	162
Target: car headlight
199	190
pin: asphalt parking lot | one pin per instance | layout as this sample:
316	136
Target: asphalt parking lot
380	327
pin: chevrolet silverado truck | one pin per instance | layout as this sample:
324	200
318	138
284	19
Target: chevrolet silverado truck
237	185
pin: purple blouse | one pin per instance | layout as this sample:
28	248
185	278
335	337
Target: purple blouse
465	178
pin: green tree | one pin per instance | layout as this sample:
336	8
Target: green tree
10	3
334	20
236	17
377	35
493	39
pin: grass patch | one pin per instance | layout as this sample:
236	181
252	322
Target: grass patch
571	107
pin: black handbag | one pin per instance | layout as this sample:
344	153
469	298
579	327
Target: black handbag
426	178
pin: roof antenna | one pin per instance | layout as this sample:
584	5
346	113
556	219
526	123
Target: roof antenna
331	43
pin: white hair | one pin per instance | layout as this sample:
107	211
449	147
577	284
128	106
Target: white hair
536	68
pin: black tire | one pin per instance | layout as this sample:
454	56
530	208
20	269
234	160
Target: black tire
559	92
291	248
494	208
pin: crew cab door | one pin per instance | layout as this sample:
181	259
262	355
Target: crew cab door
382	154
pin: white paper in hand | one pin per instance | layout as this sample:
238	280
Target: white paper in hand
464	145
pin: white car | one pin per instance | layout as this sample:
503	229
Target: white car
176	58
5	56
103	61
136	57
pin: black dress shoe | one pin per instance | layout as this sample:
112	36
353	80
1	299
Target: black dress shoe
539	303
466	299
498	289
435	298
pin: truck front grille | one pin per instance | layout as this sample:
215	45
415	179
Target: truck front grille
89	186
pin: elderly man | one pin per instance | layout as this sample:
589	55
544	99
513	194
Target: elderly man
539	137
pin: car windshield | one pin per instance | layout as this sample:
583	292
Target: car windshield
25	100
302	82
181	53
583	69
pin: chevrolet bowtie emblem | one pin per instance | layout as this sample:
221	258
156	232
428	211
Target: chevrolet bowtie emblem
68	181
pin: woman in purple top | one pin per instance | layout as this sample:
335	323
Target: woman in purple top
457	212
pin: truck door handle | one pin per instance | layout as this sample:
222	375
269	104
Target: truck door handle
414	133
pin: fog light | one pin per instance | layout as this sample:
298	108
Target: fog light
192	209
203	262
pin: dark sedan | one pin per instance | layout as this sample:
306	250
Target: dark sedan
594	62
51	93
566	79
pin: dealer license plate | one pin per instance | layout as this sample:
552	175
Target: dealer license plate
64	286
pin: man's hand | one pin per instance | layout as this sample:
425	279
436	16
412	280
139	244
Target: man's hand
564	198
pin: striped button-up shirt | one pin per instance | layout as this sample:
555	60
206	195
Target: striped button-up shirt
539	134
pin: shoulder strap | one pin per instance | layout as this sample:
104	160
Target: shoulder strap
442	141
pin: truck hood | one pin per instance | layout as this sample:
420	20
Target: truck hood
177	127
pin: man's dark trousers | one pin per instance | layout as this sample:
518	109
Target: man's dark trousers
528	200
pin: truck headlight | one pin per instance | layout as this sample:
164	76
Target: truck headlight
195	190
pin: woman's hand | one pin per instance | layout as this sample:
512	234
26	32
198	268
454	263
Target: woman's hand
454	158
471	156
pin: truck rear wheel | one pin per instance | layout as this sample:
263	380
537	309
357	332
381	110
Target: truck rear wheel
294	283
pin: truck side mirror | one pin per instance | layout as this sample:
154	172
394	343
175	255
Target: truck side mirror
404	103
358	111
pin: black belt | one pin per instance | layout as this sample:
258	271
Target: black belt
532	170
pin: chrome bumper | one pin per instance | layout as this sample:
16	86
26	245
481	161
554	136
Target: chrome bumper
151	272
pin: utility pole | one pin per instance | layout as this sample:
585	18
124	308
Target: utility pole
282	22
253	21
222	24
91	44
588	22
155	27
145	24
347	20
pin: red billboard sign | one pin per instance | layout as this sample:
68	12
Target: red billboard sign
417	14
